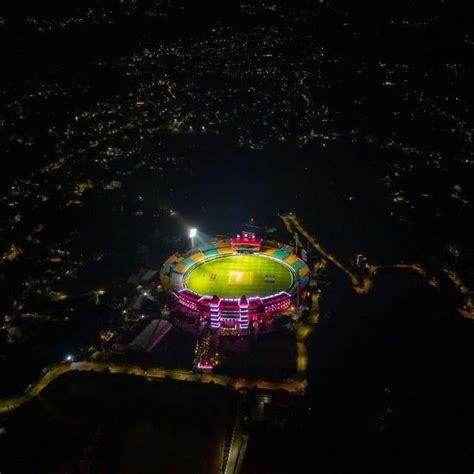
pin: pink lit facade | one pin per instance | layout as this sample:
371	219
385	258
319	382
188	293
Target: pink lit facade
233	313
246	239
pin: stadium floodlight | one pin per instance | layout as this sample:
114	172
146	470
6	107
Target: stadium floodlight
192	234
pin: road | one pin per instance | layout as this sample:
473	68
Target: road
291	220
11	403
307	328
361	285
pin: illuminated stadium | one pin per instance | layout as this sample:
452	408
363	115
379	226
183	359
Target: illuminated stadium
237	282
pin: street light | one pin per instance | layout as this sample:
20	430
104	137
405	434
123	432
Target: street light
192	234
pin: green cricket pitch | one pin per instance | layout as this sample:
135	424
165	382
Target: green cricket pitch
232	276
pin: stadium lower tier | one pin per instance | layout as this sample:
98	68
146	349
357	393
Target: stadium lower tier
233	313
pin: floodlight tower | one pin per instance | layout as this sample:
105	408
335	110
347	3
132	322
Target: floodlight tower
192	234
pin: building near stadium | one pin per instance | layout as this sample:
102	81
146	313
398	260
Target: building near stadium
235	283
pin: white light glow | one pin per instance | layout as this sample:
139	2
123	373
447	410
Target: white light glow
192	233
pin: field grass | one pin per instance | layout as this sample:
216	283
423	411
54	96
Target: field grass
236	275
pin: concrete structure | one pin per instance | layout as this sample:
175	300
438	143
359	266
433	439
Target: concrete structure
239	311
